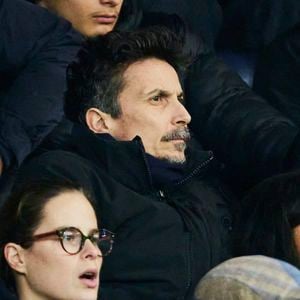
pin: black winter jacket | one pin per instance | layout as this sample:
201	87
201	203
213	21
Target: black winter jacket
251	25
277	75
246	133
33	62
35	48
165	240
203	17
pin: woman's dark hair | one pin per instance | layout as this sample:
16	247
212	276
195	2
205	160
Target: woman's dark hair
22	213
96	79
270	212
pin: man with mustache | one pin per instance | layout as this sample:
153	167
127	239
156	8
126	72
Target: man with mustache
129	144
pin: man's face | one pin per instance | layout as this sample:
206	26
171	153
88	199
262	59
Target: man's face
89	17
151	105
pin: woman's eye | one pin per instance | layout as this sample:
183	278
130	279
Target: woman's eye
69	237
95	239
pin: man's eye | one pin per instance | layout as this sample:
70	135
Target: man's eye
181	99
156	98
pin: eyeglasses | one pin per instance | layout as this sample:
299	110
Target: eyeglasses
72	239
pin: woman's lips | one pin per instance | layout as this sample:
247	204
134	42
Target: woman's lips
105	19
90	283
89	279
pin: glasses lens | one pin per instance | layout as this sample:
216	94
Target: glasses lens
104	240
71	240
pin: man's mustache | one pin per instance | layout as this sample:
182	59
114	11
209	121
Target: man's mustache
177	134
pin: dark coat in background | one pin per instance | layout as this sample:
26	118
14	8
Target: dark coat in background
167	238
203	17
35	48
277	76
251	25
246	133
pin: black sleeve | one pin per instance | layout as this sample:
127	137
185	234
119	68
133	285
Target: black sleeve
277	75
244	131
35	49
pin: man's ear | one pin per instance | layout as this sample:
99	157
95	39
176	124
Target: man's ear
14	255
97	121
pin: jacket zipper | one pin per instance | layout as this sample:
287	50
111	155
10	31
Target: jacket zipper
162	193
162	197
195	171
189	269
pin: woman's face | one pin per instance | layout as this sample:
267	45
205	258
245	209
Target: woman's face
89	17
50	272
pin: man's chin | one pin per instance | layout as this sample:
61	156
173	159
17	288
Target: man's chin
178	158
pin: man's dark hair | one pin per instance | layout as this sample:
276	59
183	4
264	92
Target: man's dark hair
271	212
96	79
22	213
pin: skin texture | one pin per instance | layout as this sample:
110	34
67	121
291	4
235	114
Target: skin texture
151	105
46	271
89	17
297	237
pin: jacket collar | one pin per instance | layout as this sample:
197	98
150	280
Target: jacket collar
125	161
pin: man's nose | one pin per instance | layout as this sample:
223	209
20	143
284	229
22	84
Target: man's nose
110	2
181	115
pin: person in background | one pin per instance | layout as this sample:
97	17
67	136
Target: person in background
51	246
269	223
90	18
277	74
35	49
253	277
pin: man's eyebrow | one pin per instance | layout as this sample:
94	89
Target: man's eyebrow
160	92
157	92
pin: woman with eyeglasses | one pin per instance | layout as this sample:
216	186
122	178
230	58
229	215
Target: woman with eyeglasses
51	246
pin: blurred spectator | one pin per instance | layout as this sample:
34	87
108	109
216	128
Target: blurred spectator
251	25
250	278
247	134
269	223
203	17
35	49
